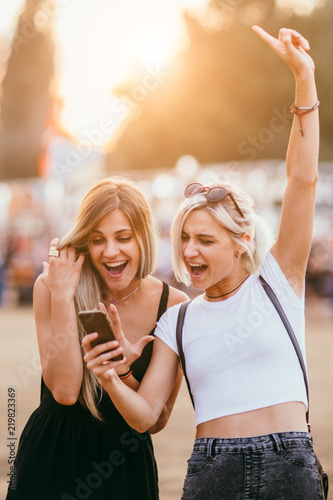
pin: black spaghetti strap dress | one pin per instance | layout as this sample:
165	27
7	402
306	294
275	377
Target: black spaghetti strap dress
66	454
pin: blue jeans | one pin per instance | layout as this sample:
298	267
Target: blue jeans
271	467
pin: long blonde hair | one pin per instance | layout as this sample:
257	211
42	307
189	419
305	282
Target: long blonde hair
115	193
226	214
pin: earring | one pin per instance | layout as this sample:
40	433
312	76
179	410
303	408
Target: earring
236	255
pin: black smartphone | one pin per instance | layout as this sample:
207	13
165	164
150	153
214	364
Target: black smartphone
95	321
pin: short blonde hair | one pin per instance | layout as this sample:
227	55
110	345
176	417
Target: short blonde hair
226	214
115	193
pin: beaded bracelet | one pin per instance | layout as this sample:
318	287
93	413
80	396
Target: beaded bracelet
126	375
302	111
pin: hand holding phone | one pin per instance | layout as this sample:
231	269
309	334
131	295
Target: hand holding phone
95	321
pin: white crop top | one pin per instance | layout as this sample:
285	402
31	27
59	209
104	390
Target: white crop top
239	356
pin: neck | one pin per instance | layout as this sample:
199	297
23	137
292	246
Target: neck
115	296
222	290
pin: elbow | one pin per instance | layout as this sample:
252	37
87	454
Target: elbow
63	394
160	423
157	427
313	179
141	429
309	180
142	426
66	399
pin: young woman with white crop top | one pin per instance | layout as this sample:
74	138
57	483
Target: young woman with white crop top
248	388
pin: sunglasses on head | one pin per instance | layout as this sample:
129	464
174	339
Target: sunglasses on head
213	194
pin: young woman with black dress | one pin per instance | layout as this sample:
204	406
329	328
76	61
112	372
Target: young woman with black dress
76	445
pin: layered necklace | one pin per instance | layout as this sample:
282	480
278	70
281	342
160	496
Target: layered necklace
225	294
128	297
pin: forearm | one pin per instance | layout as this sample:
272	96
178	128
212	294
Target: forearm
63	366
303	150
132	383
140	413
165	415
167	407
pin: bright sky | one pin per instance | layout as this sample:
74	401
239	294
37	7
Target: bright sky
101	42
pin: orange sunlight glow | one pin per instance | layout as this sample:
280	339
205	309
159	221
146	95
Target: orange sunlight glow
104	43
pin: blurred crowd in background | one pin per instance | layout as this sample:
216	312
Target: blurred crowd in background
34	211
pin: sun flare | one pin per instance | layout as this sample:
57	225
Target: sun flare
102	44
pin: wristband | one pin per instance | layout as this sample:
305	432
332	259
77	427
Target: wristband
302	110
125	375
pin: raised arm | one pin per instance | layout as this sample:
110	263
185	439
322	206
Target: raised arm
293	244
56	326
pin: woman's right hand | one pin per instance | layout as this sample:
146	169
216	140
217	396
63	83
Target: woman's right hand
291	47
62	274
99	359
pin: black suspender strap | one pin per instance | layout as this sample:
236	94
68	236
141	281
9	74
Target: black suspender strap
179	336
288	327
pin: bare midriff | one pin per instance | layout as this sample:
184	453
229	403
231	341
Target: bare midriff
284	417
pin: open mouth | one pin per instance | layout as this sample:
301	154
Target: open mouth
115	268
197	269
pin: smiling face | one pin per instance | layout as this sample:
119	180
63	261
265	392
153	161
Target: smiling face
115	252
207	249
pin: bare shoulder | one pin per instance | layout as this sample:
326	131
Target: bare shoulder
155	287
176	296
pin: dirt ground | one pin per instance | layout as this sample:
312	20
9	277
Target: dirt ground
20	370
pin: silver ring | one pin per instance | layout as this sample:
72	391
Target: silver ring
54	252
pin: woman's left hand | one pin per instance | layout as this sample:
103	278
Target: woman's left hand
291	47
61	275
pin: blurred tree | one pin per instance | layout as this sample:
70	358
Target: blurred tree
26	100
227	97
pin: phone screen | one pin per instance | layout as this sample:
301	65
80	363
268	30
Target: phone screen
95	321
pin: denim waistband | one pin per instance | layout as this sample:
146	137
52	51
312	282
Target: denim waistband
277	442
